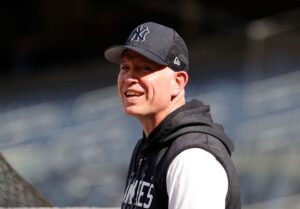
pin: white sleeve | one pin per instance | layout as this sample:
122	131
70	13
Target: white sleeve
196	180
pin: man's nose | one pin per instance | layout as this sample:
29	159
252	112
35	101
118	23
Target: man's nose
131	76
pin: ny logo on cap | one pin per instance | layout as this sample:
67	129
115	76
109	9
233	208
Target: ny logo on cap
140	33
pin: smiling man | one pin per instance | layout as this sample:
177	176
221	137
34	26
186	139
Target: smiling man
183	159
149	91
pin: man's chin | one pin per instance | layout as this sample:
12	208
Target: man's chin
131	111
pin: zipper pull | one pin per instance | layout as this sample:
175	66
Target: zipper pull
141	160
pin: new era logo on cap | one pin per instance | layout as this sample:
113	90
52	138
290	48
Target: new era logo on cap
140	33
177	61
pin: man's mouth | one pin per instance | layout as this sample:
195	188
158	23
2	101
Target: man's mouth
131	93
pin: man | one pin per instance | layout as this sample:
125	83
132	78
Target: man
183	159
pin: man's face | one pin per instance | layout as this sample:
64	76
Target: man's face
145	87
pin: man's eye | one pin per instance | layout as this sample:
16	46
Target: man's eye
124	68
146	68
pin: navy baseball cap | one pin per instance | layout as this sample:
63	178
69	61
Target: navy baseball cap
157	42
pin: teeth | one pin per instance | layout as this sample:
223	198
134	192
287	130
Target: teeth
133	93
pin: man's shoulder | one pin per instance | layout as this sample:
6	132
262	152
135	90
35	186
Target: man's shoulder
200	140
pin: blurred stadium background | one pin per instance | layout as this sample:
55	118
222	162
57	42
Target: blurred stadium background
62	127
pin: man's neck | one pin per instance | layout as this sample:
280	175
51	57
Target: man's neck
150	122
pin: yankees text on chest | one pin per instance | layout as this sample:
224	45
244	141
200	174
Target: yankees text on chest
139	193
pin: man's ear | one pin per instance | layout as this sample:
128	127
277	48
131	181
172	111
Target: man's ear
180	80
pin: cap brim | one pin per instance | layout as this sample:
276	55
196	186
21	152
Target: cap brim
114	54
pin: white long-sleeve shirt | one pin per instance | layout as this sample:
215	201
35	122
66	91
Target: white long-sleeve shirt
196	180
